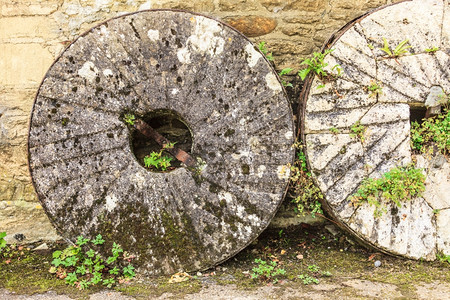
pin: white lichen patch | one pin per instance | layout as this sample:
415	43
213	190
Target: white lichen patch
226	196
139	179
107	73
184	56
205	39
111	202
283	172
254	220
260	171
272	82
88	71
153	35
252	55
289	135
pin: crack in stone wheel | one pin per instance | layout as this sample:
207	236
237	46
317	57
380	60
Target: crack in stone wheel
340	162
81	157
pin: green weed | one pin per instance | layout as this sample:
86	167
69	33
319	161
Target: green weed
433	131
2	241
443	258
158	161
314	272
317	66
400	50
397	185
304	193
81	266
267	271
374	89
431	50
129	119
283	72
334	130
262	47
357	130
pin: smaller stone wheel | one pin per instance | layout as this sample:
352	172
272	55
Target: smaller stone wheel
166	67
339	161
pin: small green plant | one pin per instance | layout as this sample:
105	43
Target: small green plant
374	89
397	185
314	272
371	47
158	161
81	266
317	66
334	130
357	130
313	268
306	279
304	193
433	131
2	241
267	271
400	50
283	72
129	119
262	47
431	50
443	258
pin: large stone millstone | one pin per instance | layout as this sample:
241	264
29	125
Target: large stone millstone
420	228
82	162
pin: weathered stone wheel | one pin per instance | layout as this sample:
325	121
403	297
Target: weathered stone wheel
161	65
340	161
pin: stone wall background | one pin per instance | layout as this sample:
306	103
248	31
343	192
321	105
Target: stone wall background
34	32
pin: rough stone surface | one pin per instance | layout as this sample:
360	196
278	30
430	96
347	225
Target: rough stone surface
87	177
340	161
252	26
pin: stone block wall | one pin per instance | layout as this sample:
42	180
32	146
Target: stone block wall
34	32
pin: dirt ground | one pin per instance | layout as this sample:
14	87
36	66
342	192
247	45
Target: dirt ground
319	263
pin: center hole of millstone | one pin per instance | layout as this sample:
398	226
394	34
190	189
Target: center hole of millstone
170	125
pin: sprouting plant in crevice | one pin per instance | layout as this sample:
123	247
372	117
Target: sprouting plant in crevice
374	88
334	130
158	161
433	132
262	47
129	119
432	49
400	50
267	271
82	266
397	185
316	65
443	257
357	130
283	72
304	193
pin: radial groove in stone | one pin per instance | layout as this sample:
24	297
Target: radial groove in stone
340	161
90	182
